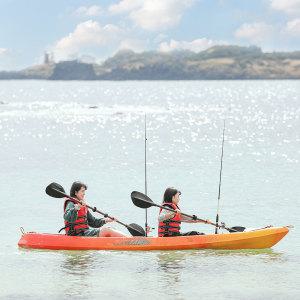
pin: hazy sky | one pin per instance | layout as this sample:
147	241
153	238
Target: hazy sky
95	30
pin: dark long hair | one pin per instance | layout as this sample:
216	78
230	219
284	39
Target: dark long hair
76	186
169	193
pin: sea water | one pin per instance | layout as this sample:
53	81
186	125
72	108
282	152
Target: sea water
95	132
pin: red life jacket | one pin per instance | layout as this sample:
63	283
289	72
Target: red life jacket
171	226
80	224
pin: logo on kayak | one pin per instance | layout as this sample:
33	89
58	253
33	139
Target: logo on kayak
135	242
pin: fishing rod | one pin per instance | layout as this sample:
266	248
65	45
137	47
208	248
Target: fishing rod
146	211
220	181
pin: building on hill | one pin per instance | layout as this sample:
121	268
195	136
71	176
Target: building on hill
48	58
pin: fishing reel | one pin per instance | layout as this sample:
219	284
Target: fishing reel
223	225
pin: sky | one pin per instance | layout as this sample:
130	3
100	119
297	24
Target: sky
92	30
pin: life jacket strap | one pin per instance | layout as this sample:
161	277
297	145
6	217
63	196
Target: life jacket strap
169	226
171	221
71	227
76	232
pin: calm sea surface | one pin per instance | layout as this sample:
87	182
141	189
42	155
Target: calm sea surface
94	132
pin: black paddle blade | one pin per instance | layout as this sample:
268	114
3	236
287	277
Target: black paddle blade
236	229
136	230
141	200
55	190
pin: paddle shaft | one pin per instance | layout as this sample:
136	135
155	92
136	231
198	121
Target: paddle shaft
94	209
190	216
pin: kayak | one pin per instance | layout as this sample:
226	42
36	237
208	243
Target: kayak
254	239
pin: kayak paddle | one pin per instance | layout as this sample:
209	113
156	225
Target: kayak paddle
57	191
143	201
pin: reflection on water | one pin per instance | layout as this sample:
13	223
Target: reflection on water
171	264
77	266
77	262
263	253
184	268
266	255
176	259
172	260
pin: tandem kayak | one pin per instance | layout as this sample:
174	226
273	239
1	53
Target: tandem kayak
255	239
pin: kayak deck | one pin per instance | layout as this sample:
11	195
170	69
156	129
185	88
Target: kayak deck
256	239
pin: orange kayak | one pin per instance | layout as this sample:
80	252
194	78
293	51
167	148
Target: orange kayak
255	239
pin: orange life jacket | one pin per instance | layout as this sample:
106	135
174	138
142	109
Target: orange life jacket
80	224
171	226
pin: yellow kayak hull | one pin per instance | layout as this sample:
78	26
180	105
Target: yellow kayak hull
256	239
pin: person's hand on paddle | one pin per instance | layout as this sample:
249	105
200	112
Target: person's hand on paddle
172	214
77	206
178	211
109	220
195	218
